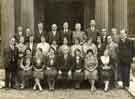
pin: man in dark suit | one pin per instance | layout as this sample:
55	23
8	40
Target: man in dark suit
125	58
54	35
92	31
40	32
10	61
66	32
104	36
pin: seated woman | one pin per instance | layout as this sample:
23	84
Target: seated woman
90	72
78	68
38	66
106	69
75	46
26	67
51	71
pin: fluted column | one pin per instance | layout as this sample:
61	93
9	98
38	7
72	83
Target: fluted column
7	21
120	14
86	13
27	13
102	13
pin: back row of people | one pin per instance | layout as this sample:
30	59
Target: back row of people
58	36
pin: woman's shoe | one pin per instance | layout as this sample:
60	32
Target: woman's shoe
22	86
40	89
93	89
34	88
106	89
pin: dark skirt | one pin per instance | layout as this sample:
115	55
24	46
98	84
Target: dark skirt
51	74
64	76
106	74
25	73
78	75
38	74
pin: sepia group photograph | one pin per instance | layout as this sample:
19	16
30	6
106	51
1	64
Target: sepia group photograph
67	49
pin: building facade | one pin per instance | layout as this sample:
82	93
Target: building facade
107	13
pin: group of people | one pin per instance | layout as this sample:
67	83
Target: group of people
92	55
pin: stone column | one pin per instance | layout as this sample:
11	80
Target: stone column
120	14
7	21
102	13
27	13
86	13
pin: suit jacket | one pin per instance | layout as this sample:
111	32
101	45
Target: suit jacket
55	37
68	35
125	51
38	36
8	56
113	50
79	65
92	34
48	64
64	65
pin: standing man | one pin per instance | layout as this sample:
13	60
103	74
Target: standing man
66	33
40	32
104	36
92	31
113	52
54	35
115	35
27	35
10	60
125	58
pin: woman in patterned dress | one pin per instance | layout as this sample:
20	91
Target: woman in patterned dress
90	72
21	48
89	45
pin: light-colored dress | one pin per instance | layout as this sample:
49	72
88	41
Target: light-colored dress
79	35
62	48
44	46
86	47
74	47
90	71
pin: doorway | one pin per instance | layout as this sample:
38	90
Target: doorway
59	12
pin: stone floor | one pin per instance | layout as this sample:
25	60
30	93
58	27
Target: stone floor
64	94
